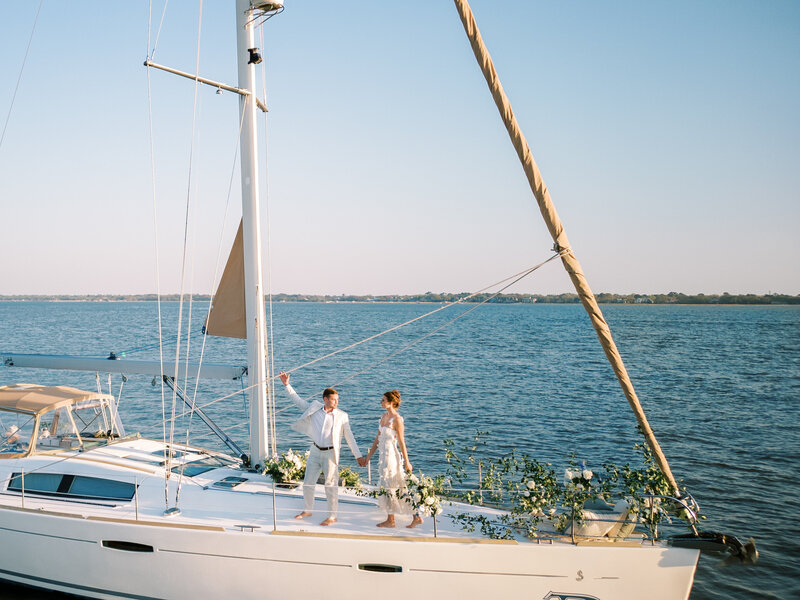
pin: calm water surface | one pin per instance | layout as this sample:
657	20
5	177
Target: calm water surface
720	385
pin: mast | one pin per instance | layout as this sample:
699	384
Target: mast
251	235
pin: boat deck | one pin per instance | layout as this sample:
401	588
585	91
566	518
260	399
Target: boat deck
255	505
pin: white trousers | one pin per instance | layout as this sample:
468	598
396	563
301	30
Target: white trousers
321	461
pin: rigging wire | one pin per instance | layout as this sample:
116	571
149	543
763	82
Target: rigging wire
512	279
451	321
168	454
157	256
428	314
204	331
152	53
115	422
21	69
270	343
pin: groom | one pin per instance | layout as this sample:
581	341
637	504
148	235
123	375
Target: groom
324	424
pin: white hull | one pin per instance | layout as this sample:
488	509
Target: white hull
40	550
204	553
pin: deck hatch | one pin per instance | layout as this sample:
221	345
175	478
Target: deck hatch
380	568
230	482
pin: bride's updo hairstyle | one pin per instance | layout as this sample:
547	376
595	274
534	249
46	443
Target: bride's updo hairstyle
393	398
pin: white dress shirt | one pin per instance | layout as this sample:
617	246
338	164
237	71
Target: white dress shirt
323	428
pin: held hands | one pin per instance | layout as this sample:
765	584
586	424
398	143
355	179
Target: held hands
284	377
362	462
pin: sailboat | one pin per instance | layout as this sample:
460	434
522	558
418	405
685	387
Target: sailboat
82	501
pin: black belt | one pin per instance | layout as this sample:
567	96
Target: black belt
323	449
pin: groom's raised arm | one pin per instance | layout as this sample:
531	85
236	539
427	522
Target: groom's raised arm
293	396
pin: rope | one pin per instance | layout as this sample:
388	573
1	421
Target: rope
19	77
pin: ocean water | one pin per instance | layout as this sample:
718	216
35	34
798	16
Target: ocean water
720	385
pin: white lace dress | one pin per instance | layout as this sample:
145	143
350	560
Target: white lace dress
392	473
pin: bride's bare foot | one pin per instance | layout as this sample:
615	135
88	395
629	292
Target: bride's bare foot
389	522
303	515
417	520
328	521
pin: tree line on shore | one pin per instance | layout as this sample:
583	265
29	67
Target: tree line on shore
602	298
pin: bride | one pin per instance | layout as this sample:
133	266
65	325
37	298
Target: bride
392	443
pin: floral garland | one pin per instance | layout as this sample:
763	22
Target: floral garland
530	492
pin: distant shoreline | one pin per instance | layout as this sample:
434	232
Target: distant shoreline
429	297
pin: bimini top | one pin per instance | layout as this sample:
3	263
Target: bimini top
38	399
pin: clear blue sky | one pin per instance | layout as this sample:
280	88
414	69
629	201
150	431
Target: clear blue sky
667	132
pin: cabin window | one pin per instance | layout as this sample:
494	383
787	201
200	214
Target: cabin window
36	482
56	430
15	432
72	486
94	487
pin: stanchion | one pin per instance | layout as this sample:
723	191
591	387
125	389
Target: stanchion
274	509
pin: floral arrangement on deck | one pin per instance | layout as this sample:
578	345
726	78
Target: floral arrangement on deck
290	467
422	493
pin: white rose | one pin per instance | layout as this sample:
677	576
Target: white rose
428	500
417	498
531	484
526	494
587	474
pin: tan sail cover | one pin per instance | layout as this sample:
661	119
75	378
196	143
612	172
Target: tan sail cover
557	232
227	315
37	399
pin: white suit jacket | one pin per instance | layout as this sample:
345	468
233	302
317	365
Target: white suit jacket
341	423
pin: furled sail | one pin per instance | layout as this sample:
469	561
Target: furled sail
227	315
557	232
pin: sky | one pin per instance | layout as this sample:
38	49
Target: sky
668	134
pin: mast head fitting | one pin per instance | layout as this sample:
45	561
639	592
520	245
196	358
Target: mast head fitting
267	5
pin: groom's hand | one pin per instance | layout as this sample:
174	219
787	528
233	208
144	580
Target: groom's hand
284	377
362	462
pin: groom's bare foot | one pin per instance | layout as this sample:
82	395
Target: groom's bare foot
416	521
303	515
328	521
387	523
